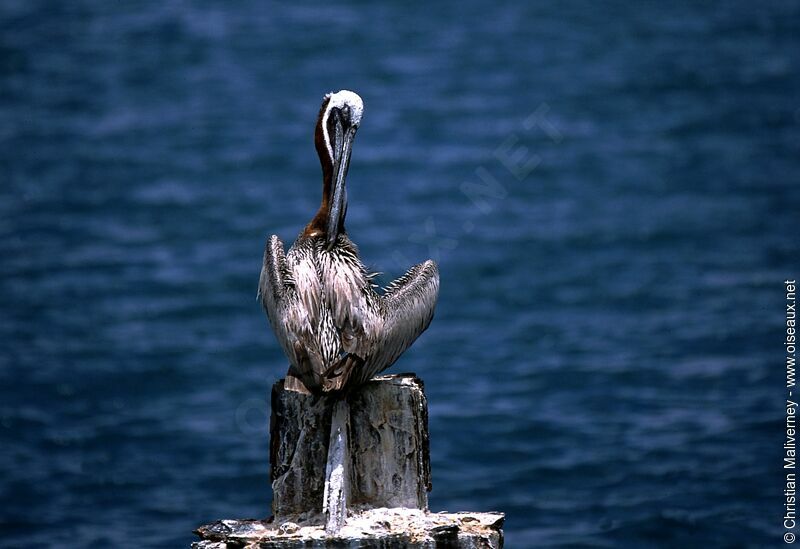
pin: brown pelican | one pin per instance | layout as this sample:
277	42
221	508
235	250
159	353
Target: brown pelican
336	330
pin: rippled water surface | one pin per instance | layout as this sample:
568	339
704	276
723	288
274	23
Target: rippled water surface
605	365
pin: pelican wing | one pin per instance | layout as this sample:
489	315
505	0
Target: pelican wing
273	290
289	318
409	303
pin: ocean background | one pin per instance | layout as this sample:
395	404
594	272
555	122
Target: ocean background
611	193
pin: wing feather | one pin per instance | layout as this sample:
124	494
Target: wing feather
273	289
292	314
409	304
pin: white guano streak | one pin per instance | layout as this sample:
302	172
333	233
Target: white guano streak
336	473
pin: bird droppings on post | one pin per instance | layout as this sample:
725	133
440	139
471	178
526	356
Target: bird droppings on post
337	472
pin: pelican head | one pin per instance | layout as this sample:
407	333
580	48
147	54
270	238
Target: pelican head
339	118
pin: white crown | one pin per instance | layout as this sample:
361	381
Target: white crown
346	98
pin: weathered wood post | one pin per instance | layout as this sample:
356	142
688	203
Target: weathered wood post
383	480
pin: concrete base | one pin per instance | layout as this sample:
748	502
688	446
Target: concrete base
376	528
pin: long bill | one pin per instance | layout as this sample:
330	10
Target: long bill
338	207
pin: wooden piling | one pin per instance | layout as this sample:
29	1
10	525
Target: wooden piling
387	477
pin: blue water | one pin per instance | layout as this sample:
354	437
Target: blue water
605	364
